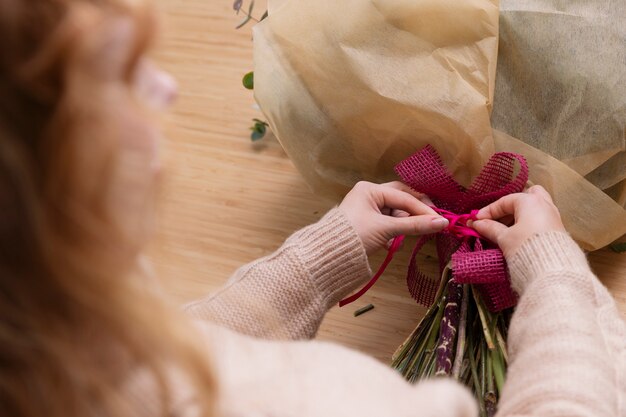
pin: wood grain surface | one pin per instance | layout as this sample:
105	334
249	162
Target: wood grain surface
226	201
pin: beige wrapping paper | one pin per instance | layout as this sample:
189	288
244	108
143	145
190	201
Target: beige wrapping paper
561	82
590	215
351	88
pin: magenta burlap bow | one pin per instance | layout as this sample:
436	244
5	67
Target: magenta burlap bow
474	260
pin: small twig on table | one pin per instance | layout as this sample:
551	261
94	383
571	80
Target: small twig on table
363	310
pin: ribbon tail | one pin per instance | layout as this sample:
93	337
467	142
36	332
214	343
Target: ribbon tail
421	287
395	245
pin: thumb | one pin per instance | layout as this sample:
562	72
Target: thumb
490	229
416	225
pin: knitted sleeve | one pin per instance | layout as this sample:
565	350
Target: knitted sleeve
567	342
286	294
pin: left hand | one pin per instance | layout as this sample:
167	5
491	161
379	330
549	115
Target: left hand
380	212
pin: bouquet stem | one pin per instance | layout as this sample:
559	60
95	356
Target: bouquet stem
459	337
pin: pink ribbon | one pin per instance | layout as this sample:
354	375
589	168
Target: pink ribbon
458	223
393	248
475	260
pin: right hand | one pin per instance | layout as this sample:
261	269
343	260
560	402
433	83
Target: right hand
533	212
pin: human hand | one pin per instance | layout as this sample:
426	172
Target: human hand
532	212
379	212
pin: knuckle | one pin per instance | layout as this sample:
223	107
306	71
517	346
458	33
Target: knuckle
398	185
535	199
555	210
362	185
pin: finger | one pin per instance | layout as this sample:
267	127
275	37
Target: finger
490	229
426	200
398	185
399	213
394	212
403	187
397	199
416	225
540	191
500	208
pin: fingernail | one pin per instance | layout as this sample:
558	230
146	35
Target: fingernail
440	222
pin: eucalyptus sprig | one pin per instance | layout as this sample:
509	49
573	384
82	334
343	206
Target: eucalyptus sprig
259	128
248	80
238	5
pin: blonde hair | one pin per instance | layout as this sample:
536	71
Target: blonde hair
77	325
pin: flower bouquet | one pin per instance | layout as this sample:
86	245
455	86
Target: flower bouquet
463	334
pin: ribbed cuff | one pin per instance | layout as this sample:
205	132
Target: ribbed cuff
542	254
334	256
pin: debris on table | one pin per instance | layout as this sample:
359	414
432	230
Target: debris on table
363	310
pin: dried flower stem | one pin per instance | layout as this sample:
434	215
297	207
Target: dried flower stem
483	319
363	310
502	345
460	345
474	371
498	369
449	329
473	350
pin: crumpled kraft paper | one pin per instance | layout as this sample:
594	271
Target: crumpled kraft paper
351	88
591	216
561	82
618	193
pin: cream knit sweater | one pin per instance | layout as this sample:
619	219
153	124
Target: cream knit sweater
567	343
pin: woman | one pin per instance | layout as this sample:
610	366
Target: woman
82	333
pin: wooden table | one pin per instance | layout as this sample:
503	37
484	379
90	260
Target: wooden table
227	201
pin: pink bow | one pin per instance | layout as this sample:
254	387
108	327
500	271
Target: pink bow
475	260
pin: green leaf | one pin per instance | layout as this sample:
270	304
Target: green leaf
248	80
258	130
256	136
618	247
